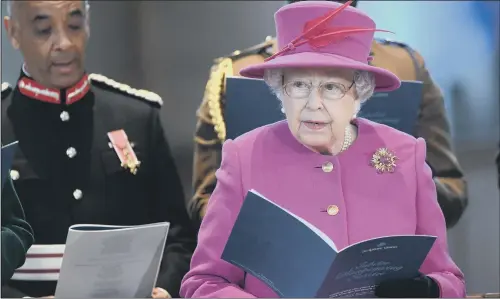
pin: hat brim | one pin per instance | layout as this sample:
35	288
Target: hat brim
384	79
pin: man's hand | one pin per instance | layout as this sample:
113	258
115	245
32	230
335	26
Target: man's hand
160	293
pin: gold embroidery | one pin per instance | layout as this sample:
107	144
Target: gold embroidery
200	198
140	93
455	184
204	141
216	86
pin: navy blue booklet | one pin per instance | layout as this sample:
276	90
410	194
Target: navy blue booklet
8	152
251	104
398	109
296	259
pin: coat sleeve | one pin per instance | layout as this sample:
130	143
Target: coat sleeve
210	276
168	205
17	234
209	136
434	127
430	221
207	157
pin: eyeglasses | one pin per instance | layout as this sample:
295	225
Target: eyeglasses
299	89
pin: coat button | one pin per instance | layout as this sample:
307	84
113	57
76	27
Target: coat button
332	210
64	116
327	167
71	152
14	175
78	194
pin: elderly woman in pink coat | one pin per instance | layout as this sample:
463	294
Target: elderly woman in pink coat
323	163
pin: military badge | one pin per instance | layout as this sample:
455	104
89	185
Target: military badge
384	161
124	150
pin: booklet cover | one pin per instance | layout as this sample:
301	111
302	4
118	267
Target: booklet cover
251	104
398	109
296	259
105	261
8	153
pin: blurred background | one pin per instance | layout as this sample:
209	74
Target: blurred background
169	46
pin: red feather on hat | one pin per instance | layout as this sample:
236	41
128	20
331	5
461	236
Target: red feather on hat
317	33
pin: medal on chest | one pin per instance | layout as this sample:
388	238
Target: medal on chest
124	150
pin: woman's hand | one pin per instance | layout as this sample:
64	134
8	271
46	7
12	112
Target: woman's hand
420	287
160	293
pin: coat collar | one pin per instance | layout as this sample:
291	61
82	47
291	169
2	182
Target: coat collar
34	90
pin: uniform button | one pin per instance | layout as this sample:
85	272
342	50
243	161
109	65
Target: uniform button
332	210
64	116
14	175
77	194
71	152
327	167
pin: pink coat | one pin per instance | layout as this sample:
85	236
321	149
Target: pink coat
370	204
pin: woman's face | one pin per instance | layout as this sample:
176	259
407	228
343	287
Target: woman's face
319	104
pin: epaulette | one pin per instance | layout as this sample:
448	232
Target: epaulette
6	90
110	84
213	91
216	85
260	49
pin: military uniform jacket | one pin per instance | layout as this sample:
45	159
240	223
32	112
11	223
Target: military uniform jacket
17	234
67	172
400	59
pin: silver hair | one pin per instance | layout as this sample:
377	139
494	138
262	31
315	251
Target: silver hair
9	3
364	82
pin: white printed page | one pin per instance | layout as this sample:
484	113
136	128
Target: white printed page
111	262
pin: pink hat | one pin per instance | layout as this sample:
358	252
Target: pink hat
322	34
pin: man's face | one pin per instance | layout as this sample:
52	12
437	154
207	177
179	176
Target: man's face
52	36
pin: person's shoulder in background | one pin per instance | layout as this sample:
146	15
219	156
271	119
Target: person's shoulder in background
399	58
211	110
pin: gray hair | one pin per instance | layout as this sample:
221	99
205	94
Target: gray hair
364	82
9	3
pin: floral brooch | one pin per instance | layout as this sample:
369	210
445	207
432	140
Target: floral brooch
384	161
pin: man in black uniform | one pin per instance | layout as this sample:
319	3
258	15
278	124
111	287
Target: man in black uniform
91	150
17	234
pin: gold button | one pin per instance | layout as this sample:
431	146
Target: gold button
327	167
332	210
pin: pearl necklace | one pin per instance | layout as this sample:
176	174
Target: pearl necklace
347	139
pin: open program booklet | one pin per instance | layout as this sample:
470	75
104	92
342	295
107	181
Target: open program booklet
103	261
295	259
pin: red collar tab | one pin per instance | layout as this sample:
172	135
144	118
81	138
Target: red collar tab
35	90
